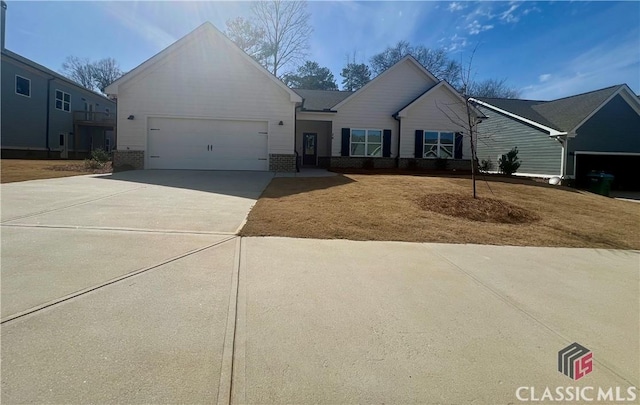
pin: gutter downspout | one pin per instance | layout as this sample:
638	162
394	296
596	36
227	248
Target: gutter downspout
399	135
47	116
295	136
563	139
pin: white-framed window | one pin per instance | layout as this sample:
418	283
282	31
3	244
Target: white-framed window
23	86
439	144
366	142
63	101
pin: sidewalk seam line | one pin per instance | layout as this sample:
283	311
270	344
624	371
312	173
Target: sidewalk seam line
527	314
87	290
225	385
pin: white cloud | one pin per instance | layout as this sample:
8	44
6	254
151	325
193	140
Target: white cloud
484	11
475	27
509	15
456	6
545	77
456	43
602	66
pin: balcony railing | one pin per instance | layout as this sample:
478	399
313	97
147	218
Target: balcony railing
94	118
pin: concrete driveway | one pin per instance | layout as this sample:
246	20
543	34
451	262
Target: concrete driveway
132	288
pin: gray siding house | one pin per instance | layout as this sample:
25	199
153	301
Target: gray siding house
568	137
45	114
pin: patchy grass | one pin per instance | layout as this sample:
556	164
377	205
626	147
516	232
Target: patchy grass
12	170
511	211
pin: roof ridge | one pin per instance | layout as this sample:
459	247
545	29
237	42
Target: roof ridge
511	99
588	92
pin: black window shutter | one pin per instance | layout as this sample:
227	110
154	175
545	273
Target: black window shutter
386	143
419	143
346	141
457	154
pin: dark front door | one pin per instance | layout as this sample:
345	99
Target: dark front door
309	149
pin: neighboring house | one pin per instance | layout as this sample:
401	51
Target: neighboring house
568	137
45	114
202	103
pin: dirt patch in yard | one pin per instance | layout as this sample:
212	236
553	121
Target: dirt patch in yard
392	207
476	209
12	170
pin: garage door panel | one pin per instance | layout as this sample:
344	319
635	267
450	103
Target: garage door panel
207	144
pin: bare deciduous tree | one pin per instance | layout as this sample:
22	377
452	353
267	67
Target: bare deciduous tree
79	70
246	35
95	76
434	60
286	32
469	119
493	88
105	72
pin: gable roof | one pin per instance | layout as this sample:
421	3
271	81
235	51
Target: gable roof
321	100
403	111
383	74
45	70
206	28
562	115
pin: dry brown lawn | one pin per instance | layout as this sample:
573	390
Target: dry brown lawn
12	170
411	208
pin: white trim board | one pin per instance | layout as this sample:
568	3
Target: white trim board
624	87
606	153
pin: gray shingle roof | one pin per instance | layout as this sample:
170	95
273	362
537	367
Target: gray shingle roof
321	100
563	114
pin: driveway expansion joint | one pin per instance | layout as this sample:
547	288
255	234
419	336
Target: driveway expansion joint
88	290
117	229
225	386
35	214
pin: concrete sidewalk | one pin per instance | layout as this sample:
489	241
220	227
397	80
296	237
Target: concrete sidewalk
333	321
384	322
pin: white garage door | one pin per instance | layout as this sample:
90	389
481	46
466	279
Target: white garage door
200	144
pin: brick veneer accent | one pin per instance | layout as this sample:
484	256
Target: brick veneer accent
430	164
363	162
279	162
128	160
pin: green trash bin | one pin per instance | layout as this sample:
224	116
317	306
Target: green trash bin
600	183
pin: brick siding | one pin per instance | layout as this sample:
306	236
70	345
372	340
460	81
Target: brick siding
282	162
128	160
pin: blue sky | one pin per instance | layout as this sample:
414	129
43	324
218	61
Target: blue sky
546	49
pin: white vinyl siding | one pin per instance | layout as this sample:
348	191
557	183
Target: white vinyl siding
374	106
217	84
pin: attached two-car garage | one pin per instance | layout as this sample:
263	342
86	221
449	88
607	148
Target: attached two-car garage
206	144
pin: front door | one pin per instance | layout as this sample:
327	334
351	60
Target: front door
309	149
64	148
